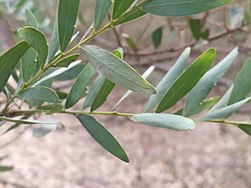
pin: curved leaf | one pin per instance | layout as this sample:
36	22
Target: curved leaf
120	6
101	10
224	112
168	80
168	121
103	136
94	90
39	94
242	83
181	7
79	87
187	80
207	82
9	60
102	95
65	62
67	16
117	70
37	40
132	15
30	19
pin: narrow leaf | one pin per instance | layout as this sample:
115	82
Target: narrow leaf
207	82
224	112
120	6
181	7
102	95
44	129
30	19
101	10
54	44
9	60
145	75
246	128
168	80
187	80
23	121
242	83
94	90
57	73
168	121
67	16
195	27
130	42
117	70
132	15
37	40
5	168
65	62
223	101
39	94
79	87
157	36
103	136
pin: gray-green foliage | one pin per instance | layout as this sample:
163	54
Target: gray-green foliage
92	82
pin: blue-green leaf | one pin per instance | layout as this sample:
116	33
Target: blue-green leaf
132	15
168	121
157	37
102	95
30	19
207	82
9	60
79	87
117	70
101	10
39	94
242	83
187	80
168	80
120	6
181	7
224	112
103	136
37	40
67	16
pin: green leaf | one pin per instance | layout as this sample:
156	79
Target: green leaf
94	90
101	10
37	40
246	128
206	104
9	60
130	42
79	87
120	6
54	44
145	75
67	16
224	112
102	95
103	136
132	15
157	37
5	168
117	70
44	129
28	62
30	19
119	52
181	7
65	62
168	80
23	121
207	82
242	83
187	80
195	27
168	121
39	94
223	101
57	72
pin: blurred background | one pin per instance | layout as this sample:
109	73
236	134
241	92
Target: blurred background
213	155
